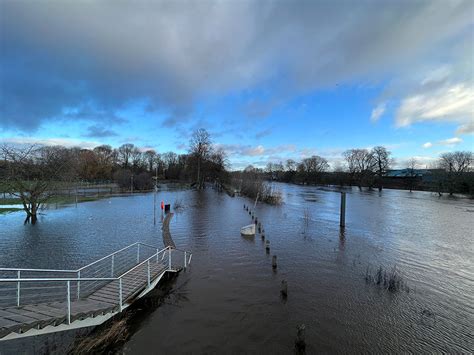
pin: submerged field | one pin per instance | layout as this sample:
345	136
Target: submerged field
229	300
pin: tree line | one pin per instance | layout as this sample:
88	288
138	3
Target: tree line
36	173
452	173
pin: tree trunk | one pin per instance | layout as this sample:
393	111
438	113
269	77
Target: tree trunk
199	174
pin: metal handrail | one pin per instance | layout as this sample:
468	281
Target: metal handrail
39	270
144	261
94	278
77	279
83	267
61	279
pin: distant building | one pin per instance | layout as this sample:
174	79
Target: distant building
425	175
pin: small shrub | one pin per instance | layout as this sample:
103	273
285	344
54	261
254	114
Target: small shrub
390	280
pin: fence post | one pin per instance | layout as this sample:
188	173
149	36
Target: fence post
18	290
169	258
79	285
148	274
185	259
342	220
138	253
69	302
120	294
113	262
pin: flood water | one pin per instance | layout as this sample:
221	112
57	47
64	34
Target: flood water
229	299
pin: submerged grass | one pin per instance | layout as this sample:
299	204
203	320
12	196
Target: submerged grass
9	210
390	280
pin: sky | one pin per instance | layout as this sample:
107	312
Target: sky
270	80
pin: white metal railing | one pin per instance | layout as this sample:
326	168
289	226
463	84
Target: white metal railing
56	285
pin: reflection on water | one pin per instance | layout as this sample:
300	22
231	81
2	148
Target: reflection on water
233	302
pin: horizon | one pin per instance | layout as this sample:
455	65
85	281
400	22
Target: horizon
270	81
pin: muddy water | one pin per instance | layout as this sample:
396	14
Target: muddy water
229	301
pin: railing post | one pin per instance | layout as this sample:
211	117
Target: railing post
120	294
79	285
185	259
148	272
342	217
138	253
69	302
18	290
112	269
169	258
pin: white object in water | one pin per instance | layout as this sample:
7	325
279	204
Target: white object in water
248	230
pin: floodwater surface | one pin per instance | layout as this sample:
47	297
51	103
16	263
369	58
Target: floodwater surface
229	300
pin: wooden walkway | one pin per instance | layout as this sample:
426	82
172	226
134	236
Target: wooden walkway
85	307
167	240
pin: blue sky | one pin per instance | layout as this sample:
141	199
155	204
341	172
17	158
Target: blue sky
270	81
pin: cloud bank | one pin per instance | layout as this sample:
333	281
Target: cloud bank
88	60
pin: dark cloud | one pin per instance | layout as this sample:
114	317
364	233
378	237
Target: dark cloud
57	55
97	131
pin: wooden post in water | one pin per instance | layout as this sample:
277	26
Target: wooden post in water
300	343
267	246
274	262
342	220
284	288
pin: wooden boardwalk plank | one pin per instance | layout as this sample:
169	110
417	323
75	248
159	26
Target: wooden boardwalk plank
103	300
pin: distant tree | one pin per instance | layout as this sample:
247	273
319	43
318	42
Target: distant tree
200	148
136	157
150	157
290	165
455	164
106	159
123	178
361	165
124	152
310	169
411	168
381	160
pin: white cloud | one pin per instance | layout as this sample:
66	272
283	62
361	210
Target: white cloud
450	141
258	150
452	103
377	112
65	142
427	145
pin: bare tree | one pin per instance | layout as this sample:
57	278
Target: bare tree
125	151
150	157
455	164
290	165
382	161
136	158
200	148
412	164
361	165
33	174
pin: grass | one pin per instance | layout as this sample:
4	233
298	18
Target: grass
390	280
10	201
53	199
178	205
9	210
